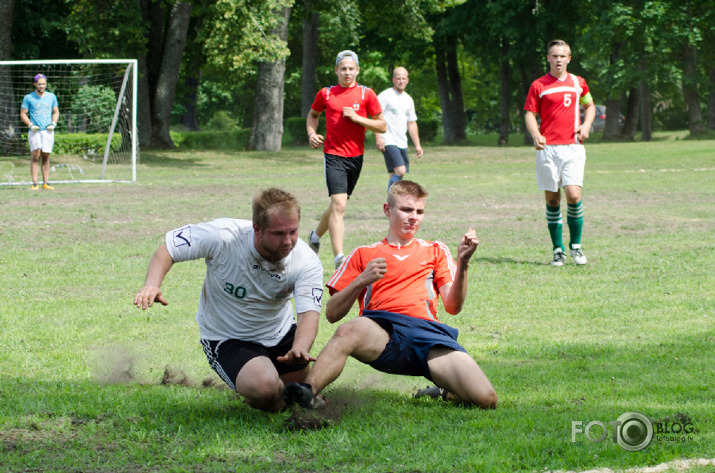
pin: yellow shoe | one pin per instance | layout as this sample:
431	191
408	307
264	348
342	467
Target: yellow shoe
35	187
48	187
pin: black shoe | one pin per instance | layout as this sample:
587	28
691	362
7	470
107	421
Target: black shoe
298	393
431	391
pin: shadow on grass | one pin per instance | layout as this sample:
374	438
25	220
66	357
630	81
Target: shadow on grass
504	260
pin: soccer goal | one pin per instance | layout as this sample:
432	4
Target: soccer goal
96	135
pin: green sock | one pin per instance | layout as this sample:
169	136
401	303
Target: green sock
574	219
556	224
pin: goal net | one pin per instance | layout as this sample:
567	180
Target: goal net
96	135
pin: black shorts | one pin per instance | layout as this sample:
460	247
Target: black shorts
411	339
341	174
396	157
228	357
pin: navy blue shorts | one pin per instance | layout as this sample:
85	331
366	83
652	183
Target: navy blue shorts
227	357
410	342
396	157
341	174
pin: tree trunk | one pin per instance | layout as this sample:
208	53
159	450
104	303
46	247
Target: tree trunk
444	100
711	100
267	128
646	122
690	91
174	45
9	110
144	102
504	95
633	107
188	119
311	21
455	90
612	130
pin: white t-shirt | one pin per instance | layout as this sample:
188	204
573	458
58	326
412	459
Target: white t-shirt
398	109
244	296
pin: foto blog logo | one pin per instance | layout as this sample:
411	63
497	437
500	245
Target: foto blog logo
632	431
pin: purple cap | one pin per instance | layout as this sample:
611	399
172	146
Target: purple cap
38	77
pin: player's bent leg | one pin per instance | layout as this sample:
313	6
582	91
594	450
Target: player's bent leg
400	171
259	384
458	373
360	338
573	194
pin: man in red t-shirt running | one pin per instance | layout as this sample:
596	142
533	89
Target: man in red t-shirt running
349	108
560	155
397	283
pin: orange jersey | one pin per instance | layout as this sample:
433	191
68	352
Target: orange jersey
411	285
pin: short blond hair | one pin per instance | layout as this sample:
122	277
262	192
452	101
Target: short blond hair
273	200
401	188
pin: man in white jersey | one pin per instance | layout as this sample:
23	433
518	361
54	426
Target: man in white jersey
245	316
560	155
399	111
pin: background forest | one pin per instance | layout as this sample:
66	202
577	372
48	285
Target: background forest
254	64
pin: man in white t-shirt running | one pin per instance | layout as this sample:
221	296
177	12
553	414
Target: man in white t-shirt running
245	316
399	111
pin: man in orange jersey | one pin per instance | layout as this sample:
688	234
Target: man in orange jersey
397	283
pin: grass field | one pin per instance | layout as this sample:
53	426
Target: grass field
88	383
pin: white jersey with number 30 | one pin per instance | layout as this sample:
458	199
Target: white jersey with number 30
244	296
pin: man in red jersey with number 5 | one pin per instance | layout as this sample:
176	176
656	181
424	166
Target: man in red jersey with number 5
350	109
560	155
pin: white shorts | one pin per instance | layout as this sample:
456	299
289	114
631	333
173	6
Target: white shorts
560	165
41	139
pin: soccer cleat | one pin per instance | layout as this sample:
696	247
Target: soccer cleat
314	246
559	258
577	255
339	260
301	394
35	187
434	392
48	187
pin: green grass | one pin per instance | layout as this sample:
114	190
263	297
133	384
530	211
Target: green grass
81	368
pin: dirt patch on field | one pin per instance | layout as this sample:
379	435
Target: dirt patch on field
675	465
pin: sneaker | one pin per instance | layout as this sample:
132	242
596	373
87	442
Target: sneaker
314	246
298	393
48	187
431	391
339	260
35	187
577	255
559	258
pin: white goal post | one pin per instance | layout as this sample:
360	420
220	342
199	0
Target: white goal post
96	138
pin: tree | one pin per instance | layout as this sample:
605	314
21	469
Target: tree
8	107
154	31
267	128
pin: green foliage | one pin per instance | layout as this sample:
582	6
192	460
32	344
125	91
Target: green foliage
94	105
428	129
295	126
84	144
222	121
214	140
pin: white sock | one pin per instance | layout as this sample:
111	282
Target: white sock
338	257
314	237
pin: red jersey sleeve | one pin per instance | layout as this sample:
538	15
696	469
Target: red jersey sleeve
319	102
533	102
373	105
446	266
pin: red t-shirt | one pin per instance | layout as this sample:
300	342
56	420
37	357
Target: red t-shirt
415	273
557	103
343	137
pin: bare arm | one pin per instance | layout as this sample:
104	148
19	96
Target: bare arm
305	334
55	114
25	117
341	302
454	293
311	125
588	116
414	133
379	142
533	126
377	124
159	265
